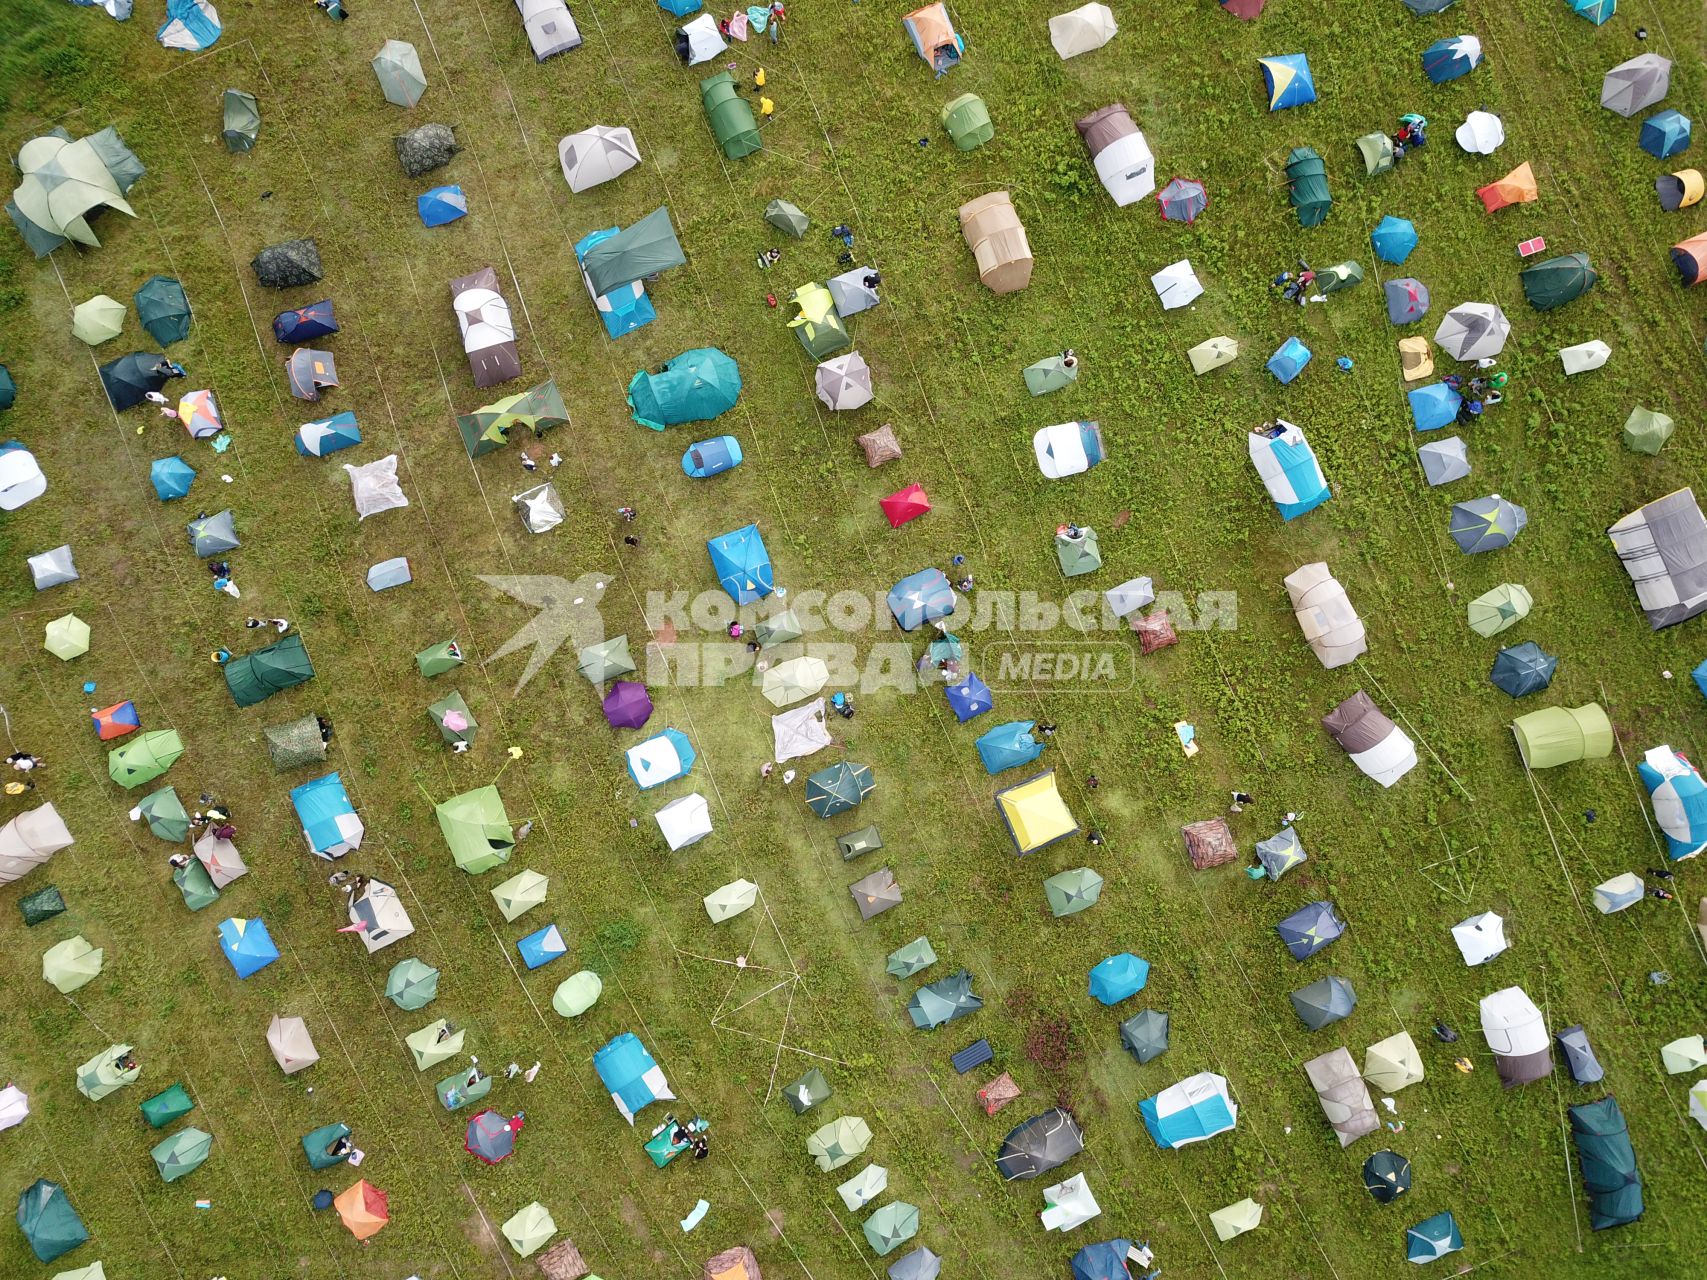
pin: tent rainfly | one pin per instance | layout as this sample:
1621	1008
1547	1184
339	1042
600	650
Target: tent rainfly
1663	547
1608	1163
1619	893
398	68
1563	735
1197	1108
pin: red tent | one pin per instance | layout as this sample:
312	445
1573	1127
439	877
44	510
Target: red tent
115	721
904	505
1689	257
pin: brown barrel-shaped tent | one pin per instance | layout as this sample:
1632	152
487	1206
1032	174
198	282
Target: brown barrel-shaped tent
997	239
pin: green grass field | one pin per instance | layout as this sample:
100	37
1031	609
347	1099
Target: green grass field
1177	499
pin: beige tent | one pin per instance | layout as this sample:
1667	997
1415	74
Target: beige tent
71	964
1393	1063
1343	1095
1330	625
29	840
292	1046
1083	29
433	1044
1416	361
997	239
1236	1219
731	900
520	894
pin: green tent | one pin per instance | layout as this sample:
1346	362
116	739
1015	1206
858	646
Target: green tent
66	637
530	1227
44	904
195	884
439	658
48	1221
787	218
1050	374
892	1226
520	894
818	326
242	120
455	1091
967	121
858	843
488	427
577	993
606	660
1307	185
1556	281
807	1092
839	1142
1377	152
8	388
171	1103
455	721
317	1146
1505	606
477	829
294	743
838	788
164	309
644	249
105	1072
181	1154
1646	431
144	757
1077	555
1342	275
1563	735
71	964
165	815
412	984
257	676
778	629
430	1045
905	961
1608	1162
695	386
100	319
1072	891
730	117
1212	354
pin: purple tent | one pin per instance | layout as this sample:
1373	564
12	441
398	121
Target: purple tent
627	705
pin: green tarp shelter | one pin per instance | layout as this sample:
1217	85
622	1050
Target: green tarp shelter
183	1153
171	1103
294	743
411	984
196	885
539	409
477	829
48	1221
242	120
1078	555
105	1072
606	660
807	1092
257	676
1307	186
71	964
967	121
916	956
644	249
1376	149
144	757
439	658
165	815
856	844
577	993
1556	281
44	904
1342	275
520	894
1505	606
317	1146
1070	892
730	117
455	721
787	218
839	1142
1050	374
163	308
528	1228
1563	735
1646	431
1608	1163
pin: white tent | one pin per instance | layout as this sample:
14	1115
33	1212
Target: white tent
1584	356
800	732
730	900
656	760
864	1187
685	820
1393	1063
293	1048
15	1105
29	840
374	486
844	381
1061	449
1684	1055
1619	893
540	507
1129	597
379	917
1480	938
793	680
1176	285
699	41
220	857
1517	1034
1083	29
1232	1221
53	568
1330	625
21	479
1481	133
1068	1204
597	154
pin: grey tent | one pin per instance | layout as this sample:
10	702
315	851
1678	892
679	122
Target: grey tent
1473	331
644	249
288	264
1663	547
398	67
1444	461
1343	1096
294	743
1580	1061
52	568
855	843
1042	1143
541	507
807	1092
778	629
787	217
128	380
913	958
1486	524
1145	1035
920	1264
1323	1002
1523	669
1407	300
1424	8
242	120
425	147
875	893
850	292
1638	83
1310	928
1281	852
211	535
942	1001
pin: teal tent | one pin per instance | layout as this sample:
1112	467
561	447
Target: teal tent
257	676
171	1103
48	1221
322	1146
164	310
1608	1163
1307	185
1556	281
694	387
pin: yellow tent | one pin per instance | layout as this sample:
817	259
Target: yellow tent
1034	813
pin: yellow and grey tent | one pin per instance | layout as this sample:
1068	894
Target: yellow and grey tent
539	409
1212	354
528	1228
1034	813
477	829
1563	735
1236	1219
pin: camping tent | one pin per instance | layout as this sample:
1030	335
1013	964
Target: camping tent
1288	469
41	904
219	859
1679	799
66	637
1393	239
920	598
597	154
374	487
1196	1108
799	732
1444	461
941	1002
128	380
577	993
933	37
1523	669
1394	1063
1487	524
1067	448
63	182
1288	360
362	1209
730	900
434	1043
1209	843
21	478
1281	852
292	1047
1433	1238
477	829
849	293
1676	191
165	815
844	382
326	435
806	1092
1386	1176
1070	892
1307	186
1343	1096
240	117
919	1264
398	67
456	723
14	1107
1182	200
1323	1002
742	565
294	743
1473	331
876	893
839	788
1376	151
645	248
247	945
1212	354
664	757
1517	187
1684	1055
143	758
817	324
730	116
529	1228
213	535
684	820
1451	57
1637	83
994	233
440	206
1081	30
1646	431
488	333
1563	735
699	41
695	386
1106	1260
257	676
1407	299
1481	133
969	698
49	1223
1517	1034
1331	626
1034	813
1480	937
108	1071
1663	546
1119	154
627	705
290	264
856	844
1493	611
1145	1035
1342	275
1176	285
1556	281
541	508
71	964
1310	928
115	721
1044	1142
1236	1219
1608	1163
307	372
628	1071
329	821
838	1142
1288	81
1118	978
1664	134
1375	744
411	984
966	120
1619	893
915	957
97	320
379	917
1008	746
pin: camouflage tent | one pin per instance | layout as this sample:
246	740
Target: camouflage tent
288	264
425	148
294	743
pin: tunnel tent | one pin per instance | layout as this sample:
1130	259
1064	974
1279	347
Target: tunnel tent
1607	1162
257	676
966	120
1119	153
1557	281
1343	1096
1377	746
1679	190
1516	1032
993	231
1307	186
729	115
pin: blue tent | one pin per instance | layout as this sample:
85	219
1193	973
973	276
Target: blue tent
1105	1260
1452	57
742	564
1523	669
1289	470
971	697
1393	239
1700	676
542	946
328	818
1116	978
441	205
1678	795
630	1074
247	945
1010	745
921	597
1288	362
1665	134
1190	1111
679	8
1288	81
664	757
1596	11
328	435
191	25
1310	928
1434	406
626	307
171	477
1433	1238
305	323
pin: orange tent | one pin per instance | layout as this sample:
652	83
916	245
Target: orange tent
1517	187
1690	259
362	1207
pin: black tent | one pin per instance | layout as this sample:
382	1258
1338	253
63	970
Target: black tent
129	379
1042	1143
1386	1176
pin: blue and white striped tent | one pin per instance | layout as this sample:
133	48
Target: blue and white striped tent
1289	469
328	435
191	25
1194	1109
663	757
1679	797
329	821
631	1074
1452	57
1008	746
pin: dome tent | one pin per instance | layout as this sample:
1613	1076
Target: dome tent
1042	1143
596	155
1517	1034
